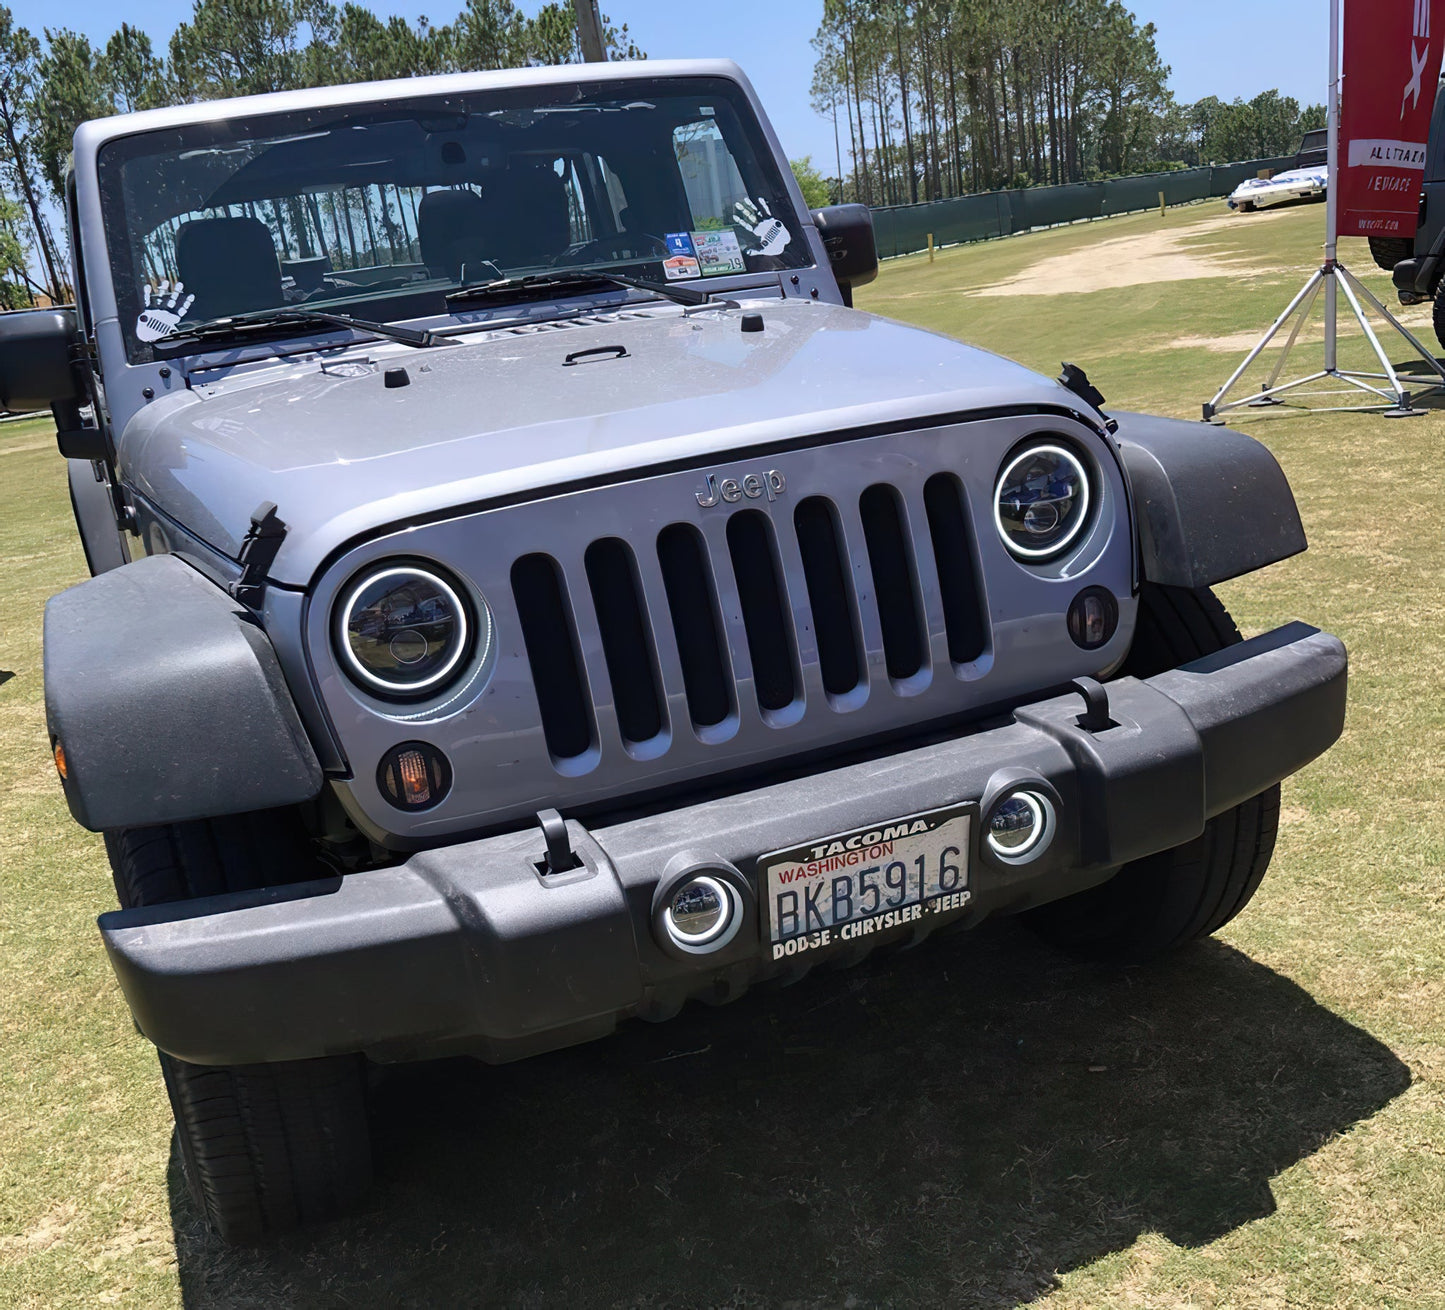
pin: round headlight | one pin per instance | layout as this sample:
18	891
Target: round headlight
404	630
1041	502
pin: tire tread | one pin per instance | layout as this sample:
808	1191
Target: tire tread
265	1147
1166	900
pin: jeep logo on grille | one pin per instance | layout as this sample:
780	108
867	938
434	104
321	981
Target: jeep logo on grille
771	484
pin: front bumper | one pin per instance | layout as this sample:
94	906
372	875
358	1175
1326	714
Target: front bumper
471	949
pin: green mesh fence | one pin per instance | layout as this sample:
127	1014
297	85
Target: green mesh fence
902	229
1046	206
905	229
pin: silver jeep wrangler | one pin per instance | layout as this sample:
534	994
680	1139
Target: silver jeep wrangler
529	597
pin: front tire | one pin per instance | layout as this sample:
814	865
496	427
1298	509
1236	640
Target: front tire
1437	314
1165	900
266	1147
1389	251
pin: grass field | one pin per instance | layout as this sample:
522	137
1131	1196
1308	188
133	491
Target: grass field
1256	1123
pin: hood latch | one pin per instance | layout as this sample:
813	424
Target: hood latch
1077	381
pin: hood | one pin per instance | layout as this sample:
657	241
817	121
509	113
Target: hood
341	453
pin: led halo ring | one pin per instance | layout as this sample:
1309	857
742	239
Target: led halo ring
1058	547
360	672
722	933
1044	823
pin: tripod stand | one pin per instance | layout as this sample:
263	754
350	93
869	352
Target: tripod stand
1334	278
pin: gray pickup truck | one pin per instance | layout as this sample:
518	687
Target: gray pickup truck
528	597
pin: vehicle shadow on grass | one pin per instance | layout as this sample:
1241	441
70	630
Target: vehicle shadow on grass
950	1127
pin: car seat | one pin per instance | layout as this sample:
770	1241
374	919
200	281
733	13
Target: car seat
530	215
451	227
229	265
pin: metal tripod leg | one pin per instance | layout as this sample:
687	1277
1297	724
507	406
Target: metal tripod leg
1307	290
1402	397
1424	351
1305	311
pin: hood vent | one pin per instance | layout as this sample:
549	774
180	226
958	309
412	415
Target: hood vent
562	324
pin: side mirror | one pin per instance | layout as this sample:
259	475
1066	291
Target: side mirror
36	364
847	232
38	369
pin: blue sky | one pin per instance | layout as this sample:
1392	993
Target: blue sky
1226	48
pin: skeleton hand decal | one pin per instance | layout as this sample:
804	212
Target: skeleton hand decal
164	308
771	235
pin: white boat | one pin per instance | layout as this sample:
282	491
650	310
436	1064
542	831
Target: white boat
1295	184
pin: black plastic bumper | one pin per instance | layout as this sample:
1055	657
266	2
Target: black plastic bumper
1416	276
471	948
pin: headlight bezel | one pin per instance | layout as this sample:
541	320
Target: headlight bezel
473	619
1082	514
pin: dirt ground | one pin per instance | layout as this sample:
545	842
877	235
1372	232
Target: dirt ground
1139	259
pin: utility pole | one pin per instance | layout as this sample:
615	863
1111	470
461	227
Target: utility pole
589	31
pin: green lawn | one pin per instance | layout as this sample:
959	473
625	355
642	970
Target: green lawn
1256	1123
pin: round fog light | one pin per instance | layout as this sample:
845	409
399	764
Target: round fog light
1018	826
1093	617
703	914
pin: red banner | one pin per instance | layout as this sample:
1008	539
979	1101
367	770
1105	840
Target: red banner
1391	66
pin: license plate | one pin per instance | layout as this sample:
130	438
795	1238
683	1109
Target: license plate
846	887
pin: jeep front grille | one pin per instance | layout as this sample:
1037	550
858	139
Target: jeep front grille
652	632
736	616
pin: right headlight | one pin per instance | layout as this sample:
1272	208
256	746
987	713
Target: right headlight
1041	501
404	630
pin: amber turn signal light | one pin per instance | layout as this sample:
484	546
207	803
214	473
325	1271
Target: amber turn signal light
414	776
60	762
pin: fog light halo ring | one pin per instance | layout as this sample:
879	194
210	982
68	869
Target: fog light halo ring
721	933
1044	825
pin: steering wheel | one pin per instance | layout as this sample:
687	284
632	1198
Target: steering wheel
623	245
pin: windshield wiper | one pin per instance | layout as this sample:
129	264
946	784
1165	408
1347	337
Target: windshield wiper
263	320
571	283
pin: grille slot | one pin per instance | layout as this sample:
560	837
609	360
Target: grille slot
562	698
957	581
765	616
722	623
626	639
895	586
821	547
687	579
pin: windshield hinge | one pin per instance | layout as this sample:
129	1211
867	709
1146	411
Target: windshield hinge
258	552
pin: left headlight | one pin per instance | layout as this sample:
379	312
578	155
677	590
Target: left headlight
405	630
1041	501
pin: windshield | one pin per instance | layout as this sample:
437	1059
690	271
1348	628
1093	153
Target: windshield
379	211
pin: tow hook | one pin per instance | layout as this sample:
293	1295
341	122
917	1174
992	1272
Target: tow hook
1095	717
559	856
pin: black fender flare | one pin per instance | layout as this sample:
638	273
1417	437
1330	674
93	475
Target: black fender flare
1211	503
94	517
168	701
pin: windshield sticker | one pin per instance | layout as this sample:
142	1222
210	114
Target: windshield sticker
681	258
165	306
770	232
718	252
